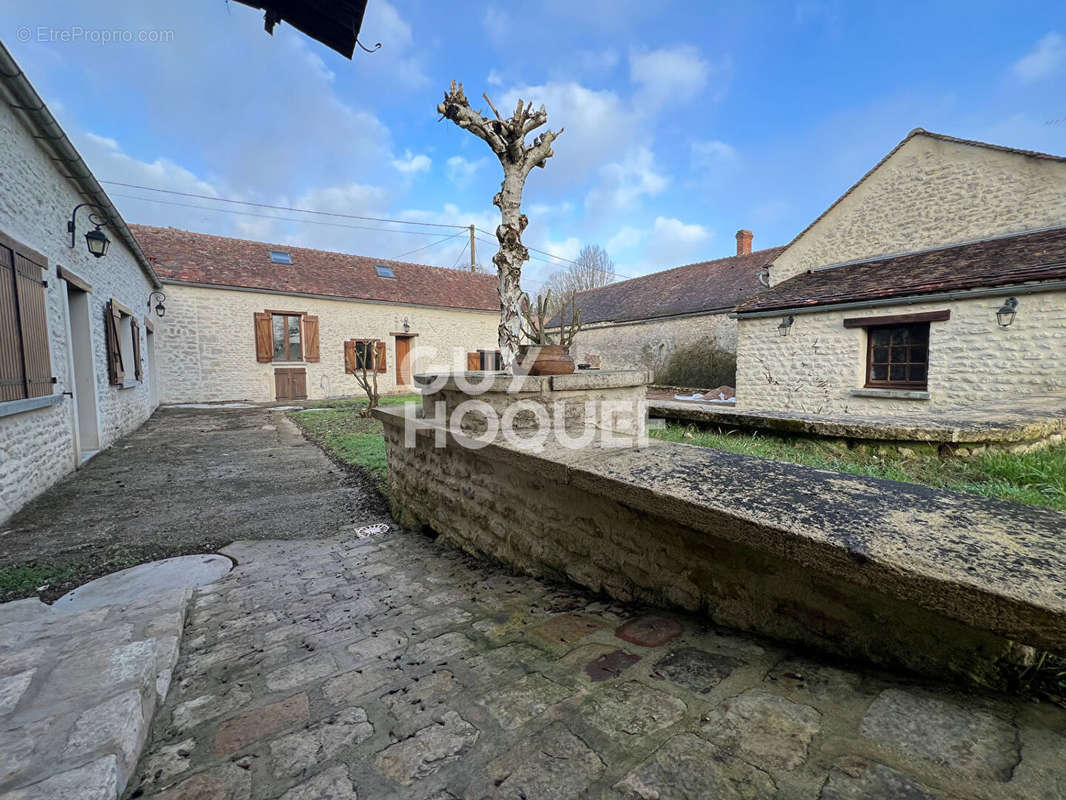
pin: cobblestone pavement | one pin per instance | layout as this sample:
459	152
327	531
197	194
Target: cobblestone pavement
395	667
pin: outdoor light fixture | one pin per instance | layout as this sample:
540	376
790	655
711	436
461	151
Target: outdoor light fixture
786	325
96	240
406	325
1007	312
160	309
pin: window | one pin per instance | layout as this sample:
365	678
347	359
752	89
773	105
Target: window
364	354
898	356
25	361
280	257
285	336
285	332
385	271
123	337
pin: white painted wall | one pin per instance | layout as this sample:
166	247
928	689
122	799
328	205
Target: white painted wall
37	447
206	343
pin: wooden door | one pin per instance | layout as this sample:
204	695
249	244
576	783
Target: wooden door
290	384
403	366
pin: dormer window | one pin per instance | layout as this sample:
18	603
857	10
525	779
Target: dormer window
385	271
280	257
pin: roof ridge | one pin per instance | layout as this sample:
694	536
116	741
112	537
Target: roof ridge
135	225
683	266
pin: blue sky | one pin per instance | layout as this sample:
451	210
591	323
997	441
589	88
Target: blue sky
684	121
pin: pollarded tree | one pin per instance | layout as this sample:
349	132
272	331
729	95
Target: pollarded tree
507	138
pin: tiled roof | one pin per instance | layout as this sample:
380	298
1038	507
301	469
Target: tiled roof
705	286
188	257
1005	260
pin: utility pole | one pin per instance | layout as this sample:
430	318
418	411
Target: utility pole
473	252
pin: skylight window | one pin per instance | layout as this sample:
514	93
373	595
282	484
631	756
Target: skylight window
384	271
280	257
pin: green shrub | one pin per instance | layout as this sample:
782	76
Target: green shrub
701	365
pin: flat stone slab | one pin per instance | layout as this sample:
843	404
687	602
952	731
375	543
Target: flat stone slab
130	585
1025	419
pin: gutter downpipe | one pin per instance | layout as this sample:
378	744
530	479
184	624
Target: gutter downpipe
962	294
52	136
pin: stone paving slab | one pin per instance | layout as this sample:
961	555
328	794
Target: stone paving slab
396	667
78	691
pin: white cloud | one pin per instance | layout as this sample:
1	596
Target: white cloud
712	154
397	60
494	78
624	182
597	60
461	171
627	238
672	242
669	75
1044	59
412	164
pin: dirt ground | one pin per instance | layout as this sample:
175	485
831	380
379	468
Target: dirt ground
188	481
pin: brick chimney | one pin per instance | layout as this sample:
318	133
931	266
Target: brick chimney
744	242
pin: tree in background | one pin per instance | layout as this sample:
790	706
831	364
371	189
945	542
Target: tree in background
592	268
507	138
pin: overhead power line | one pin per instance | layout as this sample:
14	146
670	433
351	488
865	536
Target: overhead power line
427	246
274	217
284	208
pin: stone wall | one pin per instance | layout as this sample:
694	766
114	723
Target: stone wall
893	573
971	360
931	193
648	344
207	342
37	447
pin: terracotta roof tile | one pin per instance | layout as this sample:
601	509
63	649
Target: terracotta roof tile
189	257
1005	260
705	286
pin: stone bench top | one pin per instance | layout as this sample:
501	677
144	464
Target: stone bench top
995	565
582	380
1020	420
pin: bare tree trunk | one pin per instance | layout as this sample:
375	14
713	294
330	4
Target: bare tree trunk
506	137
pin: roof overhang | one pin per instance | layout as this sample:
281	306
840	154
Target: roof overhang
334	23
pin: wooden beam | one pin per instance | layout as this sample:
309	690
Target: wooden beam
897	319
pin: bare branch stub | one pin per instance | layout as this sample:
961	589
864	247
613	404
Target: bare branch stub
506	138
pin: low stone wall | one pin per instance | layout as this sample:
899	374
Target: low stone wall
897	574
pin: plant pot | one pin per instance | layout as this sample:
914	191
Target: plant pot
548	359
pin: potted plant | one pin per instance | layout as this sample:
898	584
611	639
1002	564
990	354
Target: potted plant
543	355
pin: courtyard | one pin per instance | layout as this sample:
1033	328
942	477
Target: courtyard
344	660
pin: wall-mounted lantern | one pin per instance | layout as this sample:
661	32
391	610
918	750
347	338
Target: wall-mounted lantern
160	309
1007	312
96	240
406	325
786	325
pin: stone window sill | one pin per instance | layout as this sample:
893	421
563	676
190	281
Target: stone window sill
130	384
289	363
891	394
10	407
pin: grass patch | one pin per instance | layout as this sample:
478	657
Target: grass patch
24	580
1036	479
350	438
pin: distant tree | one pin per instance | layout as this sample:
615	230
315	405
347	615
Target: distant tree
592	268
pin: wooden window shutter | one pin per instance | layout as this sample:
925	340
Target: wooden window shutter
349	356
33	322
379	355
310	338
116	373
12	374
264	338
137	370
473	361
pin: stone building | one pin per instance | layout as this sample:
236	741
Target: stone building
639	322
269	322
937	282
78	362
